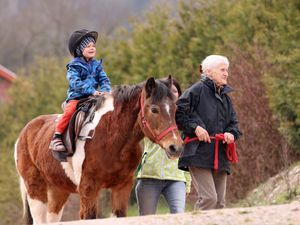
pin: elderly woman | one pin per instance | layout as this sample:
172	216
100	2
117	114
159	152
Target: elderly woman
204	111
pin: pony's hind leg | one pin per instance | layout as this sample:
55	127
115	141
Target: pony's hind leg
27	217
120	197
35	203
56	201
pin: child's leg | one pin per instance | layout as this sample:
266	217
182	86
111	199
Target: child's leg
65	118
56	145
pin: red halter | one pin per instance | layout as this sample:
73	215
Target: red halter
145	123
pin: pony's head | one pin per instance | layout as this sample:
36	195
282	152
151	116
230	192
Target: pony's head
157	116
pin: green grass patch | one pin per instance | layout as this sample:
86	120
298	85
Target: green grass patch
287	197
264	195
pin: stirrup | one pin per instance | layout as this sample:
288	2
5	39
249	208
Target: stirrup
60	156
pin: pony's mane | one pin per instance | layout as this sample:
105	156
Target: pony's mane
99	101
123	93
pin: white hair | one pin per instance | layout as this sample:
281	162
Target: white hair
213	60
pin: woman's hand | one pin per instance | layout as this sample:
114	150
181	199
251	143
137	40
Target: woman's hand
202	134
228	138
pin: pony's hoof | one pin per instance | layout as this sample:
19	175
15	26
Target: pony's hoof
60	156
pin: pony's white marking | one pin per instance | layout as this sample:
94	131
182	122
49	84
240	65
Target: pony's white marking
174	136
68	167
77	159
167	107
23	189
15	152
53	217
112	215
23	193
38	210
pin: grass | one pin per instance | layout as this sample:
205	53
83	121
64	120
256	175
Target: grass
264	195
243	212
286	197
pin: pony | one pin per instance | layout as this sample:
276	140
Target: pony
106	160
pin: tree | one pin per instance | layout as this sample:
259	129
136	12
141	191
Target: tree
37	90
244	32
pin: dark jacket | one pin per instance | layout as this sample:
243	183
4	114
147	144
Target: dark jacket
85	78
202	105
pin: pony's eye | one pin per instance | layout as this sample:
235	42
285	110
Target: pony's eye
154	109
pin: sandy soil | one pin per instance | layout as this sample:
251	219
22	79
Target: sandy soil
288	214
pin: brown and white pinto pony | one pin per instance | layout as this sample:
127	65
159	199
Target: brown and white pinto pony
107	161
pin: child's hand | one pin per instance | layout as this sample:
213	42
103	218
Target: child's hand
96	93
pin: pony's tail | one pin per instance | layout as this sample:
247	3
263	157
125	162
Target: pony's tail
27	214
27	217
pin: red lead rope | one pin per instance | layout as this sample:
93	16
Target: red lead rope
230	149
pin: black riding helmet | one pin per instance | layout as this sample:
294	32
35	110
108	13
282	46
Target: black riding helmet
76	38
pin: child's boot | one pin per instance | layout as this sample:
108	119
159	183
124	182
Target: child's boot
58	148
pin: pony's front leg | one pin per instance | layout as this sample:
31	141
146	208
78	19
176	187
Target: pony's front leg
120	196
88	202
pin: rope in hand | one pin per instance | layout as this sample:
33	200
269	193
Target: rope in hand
230	149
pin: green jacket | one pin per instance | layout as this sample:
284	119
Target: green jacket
155	164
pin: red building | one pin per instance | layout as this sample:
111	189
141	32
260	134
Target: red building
6	78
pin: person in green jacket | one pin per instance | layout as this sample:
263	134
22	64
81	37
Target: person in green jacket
159	175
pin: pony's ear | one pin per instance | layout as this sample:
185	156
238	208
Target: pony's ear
150	85
170	80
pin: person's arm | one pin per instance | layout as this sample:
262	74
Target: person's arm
185	120
104	82
75	82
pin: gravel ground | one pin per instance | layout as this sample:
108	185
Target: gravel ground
287	214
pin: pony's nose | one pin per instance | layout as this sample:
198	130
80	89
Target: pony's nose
175	150
172	148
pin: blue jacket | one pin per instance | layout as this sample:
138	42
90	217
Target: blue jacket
85	78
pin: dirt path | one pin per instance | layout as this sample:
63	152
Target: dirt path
288	214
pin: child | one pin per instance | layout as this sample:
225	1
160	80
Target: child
85	74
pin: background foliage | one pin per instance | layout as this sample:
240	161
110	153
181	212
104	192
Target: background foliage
260	38
267	31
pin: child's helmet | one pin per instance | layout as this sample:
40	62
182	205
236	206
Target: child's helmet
76	38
